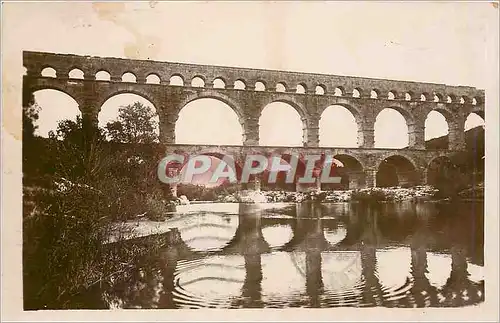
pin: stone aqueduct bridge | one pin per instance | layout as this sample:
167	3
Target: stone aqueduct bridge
248	91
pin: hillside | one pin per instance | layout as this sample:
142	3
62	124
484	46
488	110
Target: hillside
473	157
474	139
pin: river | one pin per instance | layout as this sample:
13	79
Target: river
313	255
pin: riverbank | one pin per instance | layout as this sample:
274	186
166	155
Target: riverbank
377	194
389	194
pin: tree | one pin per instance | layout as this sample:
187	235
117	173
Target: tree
135	124
30	115
78	155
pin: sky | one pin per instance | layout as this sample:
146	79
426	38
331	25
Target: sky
416	41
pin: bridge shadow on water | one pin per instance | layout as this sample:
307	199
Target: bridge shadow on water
315	255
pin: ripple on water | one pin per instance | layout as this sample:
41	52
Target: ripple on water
394	274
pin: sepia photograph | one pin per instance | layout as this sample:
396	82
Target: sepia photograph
207	158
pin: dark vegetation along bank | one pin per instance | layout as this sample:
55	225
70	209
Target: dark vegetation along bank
80	181
76	184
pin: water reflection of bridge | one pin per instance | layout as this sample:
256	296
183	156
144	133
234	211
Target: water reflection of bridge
366	231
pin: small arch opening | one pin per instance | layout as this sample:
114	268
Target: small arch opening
49	72
176	80
462	100
449	99
239	85
373	94
436	98
153	79
102	76
260	86
408	96
300	89
129	78
219	83
423	97
356	93
320	90
280	87
391	95
338	92
197	82
474	101
76	74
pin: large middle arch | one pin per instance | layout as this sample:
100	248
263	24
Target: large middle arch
109	110
391	127
55	106
216	95
339	126
102	99
296	105
438	127
208	120
281	124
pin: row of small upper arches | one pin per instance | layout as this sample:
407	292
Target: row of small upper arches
197	81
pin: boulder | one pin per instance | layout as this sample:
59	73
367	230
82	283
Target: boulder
184	200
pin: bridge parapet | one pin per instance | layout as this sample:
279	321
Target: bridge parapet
35	62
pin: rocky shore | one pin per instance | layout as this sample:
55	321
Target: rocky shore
379	194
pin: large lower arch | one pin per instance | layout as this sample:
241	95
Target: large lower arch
391	128
396	170
450	174
208	121
204	179
281	125
338	127
113	108
53	106
440	170
350	170
281	182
